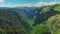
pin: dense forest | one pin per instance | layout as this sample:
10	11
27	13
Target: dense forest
30	20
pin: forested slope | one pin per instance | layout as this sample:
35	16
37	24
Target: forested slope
44	20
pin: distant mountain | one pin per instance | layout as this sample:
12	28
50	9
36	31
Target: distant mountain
29	11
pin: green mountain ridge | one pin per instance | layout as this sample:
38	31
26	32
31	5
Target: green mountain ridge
49	18
45	21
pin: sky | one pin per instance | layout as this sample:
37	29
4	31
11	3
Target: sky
28	3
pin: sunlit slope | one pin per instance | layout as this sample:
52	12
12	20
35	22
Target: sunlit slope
46	13
47	20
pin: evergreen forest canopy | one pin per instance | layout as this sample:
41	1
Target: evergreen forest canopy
30	20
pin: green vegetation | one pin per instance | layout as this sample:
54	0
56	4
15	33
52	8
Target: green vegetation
57	8
46	21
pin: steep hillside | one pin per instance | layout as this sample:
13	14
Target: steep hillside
46	13
49	19
11	21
